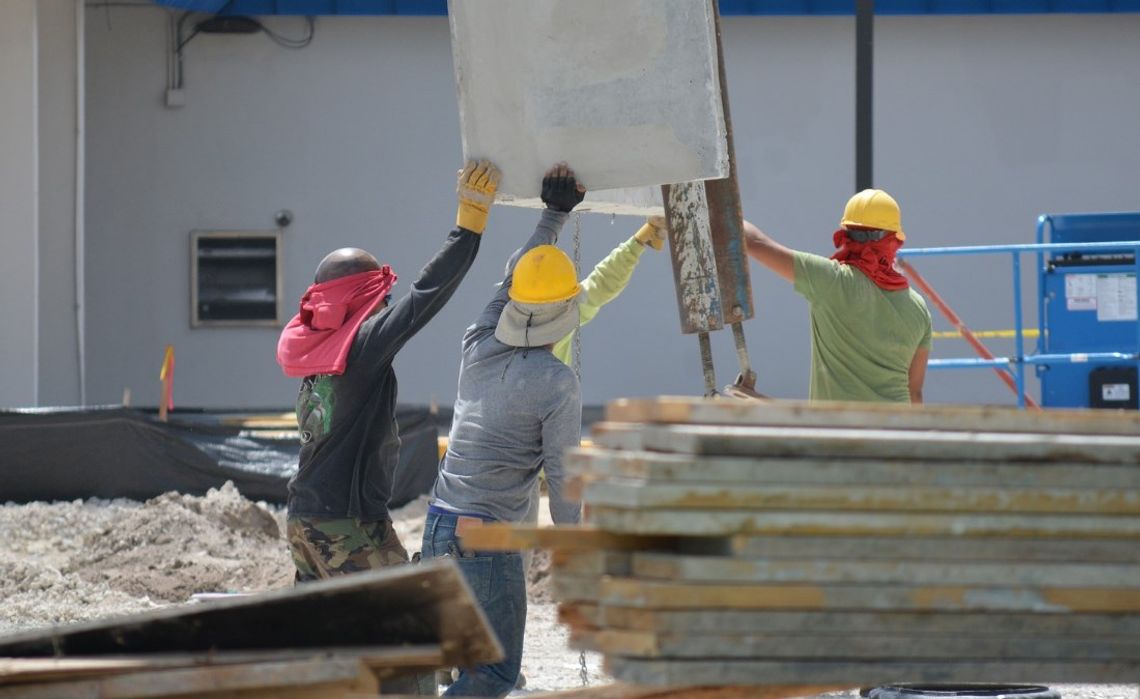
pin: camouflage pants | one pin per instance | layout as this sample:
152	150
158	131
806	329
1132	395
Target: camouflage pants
324	548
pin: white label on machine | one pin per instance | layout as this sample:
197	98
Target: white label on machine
1116	392
1115	297
1080	292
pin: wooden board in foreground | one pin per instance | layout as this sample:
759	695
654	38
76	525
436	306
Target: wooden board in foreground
864	673
623	691
329	677
422	604
935	549
679	409
709	440
828	524
1013	498
635	592
515	537
795	623
593	463
853	644
382	661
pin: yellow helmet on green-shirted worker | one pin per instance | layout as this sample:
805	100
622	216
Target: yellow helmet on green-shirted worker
873	209
544	274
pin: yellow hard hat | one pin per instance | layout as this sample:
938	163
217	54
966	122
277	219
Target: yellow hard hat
873	208
544	274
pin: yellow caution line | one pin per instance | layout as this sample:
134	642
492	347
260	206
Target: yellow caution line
951	334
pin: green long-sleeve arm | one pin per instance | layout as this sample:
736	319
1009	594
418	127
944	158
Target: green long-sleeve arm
608	279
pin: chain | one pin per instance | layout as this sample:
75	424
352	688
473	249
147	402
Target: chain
583	674
578	331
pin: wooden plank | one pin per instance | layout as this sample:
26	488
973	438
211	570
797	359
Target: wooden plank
660	566
583	615
623	691
513	537
933	549
27	670
640	494
785	413
429	603
868	443
729	522
635	592
592	562
573	588
866	673
331	674
604	464
850	644
795	623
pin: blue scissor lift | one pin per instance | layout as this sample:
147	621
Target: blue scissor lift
1088	347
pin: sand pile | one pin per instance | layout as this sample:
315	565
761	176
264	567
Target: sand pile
70	561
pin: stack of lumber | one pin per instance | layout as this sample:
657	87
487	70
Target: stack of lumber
734	543
359	635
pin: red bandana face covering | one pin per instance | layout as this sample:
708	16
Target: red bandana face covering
874	258
318	338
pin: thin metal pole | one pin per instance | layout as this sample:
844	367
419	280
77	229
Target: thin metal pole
707	365
747	375
1019	340
864	92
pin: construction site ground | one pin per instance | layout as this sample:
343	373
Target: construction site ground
73	561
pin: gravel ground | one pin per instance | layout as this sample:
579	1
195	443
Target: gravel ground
75	561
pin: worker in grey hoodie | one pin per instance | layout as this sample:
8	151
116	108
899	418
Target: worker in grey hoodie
517	411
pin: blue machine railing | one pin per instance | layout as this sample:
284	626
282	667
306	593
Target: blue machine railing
1016	364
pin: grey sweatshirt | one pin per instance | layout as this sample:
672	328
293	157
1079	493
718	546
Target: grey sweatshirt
518	410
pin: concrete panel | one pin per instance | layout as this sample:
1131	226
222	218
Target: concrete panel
19	312
627	92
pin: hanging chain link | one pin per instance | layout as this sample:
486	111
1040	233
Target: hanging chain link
578	330
583	673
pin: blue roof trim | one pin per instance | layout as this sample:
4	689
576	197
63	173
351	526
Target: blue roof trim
727	7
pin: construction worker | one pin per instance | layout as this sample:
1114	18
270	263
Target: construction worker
604	284
517	410
870	332
342	344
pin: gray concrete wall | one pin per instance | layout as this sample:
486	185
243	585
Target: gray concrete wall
58	350
18	208
981	124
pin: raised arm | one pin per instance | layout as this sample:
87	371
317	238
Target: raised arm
385	333
769	253
561	192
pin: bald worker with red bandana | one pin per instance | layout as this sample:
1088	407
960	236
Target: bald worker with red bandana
871	333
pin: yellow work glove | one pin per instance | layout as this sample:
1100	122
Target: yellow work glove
653	233
477	184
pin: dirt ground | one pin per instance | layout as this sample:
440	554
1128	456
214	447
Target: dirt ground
74	561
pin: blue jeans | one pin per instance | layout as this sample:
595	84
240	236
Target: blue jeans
498	583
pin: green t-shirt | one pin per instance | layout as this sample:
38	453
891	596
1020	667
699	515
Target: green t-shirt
863	338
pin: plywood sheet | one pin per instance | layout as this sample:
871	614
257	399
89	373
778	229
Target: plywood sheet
626	92
788	413
866	673
592	464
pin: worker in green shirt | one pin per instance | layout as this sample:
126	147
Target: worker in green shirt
870	332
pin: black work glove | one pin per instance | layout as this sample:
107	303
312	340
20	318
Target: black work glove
561	192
